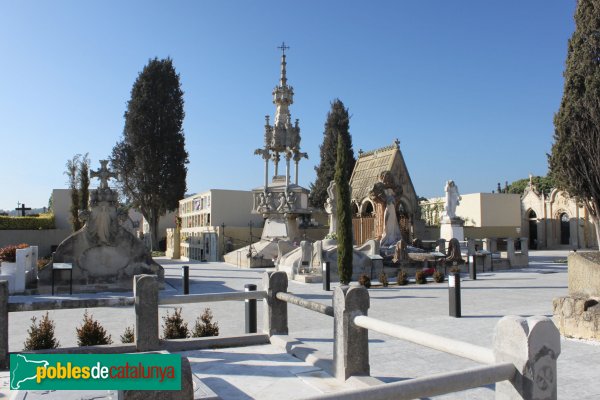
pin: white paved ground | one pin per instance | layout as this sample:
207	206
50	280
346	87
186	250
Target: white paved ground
264	372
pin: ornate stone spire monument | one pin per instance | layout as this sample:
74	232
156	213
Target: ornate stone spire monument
279	201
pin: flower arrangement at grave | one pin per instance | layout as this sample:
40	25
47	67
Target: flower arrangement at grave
383	279
420	277
402	278
365	281
9	253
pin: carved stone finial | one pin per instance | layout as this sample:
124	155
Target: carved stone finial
397	143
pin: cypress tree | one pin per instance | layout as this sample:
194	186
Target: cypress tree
151	158
84	182
337	120
71	172
574	160
344	211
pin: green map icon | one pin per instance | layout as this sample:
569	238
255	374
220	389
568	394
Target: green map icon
24	370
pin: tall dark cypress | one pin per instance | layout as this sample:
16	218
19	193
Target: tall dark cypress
344	211
575	158
337	119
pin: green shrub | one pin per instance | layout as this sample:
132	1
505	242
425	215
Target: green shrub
174	327
402	278
44	221
438	276
383	279
365	281
41	336
204	326
91	333
420	277
128	335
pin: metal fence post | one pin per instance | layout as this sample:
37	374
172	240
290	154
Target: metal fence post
185	273
533	346
326	276
351	343
145	292
275	316
250	309
454	294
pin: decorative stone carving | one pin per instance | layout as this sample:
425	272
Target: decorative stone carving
453	254
331	207
386	192
103	251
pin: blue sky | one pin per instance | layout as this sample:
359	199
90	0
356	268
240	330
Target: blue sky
469	87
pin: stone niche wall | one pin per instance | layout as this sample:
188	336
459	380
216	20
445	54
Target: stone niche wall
578	314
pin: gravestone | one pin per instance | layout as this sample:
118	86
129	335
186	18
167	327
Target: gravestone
104	254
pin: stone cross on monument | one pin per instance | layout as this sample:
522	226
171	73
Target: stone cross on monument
283	48
103	174
22	208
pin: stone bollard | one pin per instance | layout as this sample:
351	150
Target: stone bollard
533	346
145	292
441	245
524	245
510	247
275	315
4	325
471	246
351	343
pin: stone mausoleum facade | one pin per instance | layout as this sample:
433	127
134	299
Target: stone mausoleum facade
371	169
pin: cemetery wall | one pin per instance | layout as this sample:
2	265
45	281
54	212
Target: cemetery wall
44	239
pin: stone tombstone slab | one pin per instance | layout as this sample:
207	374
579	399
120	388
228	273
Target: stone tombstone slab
533	346
584	274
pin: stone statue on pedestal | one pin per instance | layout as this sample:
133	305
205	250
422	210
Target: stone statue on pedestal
451	201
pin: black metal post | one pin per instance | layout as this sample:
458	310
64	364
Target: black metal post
326	276
473	268
250	309
185	273
454	294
